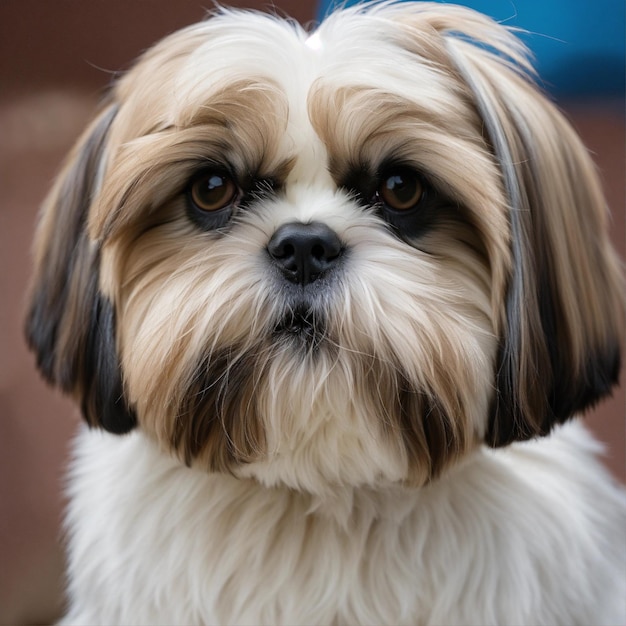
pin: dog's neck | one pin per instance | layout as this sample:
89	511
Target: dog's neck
343	505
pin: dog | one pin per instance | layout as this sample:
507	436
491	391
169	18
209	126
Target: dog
328	301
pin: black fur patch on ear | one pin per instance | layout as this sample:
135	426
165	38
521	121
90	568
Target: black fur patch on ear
574	389
70	325
66	266
559	395
77	348
102	394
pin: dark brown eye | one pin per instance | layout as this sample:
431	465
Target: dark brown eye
401	189
213	191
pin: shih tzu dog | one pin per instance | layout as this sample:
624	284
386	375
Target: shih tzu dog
320	298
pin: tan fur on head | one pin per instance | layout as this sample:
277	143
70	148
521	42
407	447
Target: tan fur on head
492	315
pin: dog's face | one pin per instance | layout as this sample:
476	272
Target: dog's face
349	257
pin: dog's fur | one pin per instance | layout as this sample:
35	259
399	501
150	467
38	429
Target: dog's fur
361	443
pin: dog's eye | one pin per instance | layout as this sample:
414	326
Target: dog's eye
213	191
400	189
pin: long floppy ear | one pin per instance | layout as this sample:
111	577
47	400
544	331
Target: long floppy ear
71	324
559	349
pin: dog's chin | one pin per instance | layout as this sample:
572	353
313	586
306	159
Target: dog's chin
300	405
321	412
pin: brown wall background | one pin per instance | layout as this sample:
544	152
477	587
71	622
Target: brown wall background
55	60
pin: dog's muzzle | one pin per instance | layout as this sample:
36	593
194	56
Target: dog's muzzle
306	256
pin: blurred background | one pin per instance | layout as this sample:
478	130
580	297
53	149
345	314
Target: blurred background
56	59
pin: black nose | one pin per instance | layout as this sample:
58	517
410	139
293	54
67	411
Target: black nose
304	251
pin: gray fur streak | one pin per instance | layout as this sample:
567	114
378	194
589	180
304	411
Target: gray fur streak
497	137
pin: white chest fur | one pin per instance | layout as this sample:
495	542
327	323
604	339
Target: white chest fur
513	537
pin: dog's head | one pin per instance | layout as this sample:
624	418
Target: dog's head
344	257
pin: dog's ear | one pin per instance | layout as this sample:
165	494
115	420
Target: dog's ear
71	324
562	327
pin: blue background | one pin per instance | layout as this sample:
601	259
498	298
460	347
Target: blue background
578	45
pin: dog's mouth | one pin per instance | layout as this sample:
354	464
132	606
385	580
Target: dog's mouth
303	324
